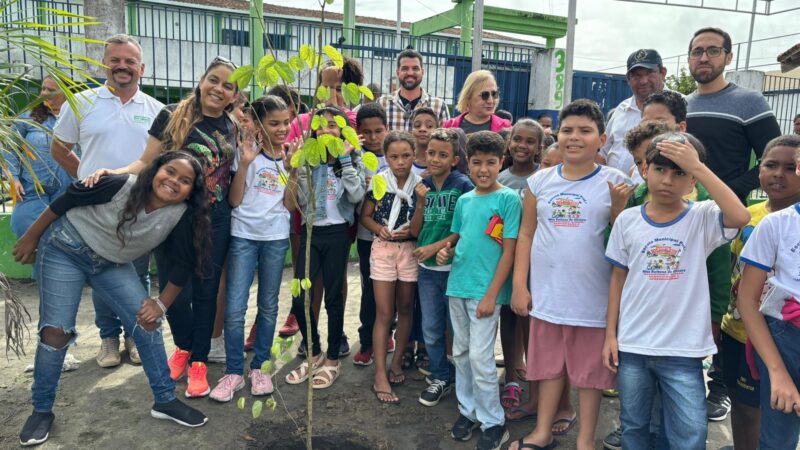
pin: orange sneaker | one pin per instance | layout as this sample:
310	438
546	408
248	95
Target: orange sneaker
177	363
198	381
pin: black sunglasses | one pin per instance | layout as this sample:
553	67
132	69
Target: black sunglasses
486	94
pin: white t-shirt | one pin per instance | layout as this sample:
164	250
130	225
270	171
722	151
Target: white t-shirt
775	245
111	135
569	273
362	232
417	169
333	216
665	308
262	215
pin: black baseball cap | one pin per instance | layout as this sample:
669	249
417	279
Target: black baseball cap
646	57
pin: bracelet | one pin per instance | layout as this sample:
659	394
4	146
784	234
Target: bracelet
160	304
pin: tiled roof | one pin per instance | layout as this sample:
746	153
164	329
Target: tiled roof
315	15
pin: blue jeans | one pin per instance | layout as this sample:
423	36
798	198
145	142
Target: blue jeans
104	318
66	263
683	395
435	312
473	353
243	256
780	430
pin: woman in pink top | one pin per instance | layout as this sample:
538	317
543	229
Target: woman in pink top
477	102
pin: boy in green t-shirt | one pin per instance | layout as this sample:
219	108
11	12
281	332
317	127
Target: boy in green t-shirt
486	221
431	225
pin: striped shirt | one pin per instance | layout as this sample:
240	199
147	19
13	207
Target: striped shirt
399	117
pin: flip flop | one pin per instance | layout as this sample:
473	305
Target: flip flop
570	424
522	445
526	414
396	376
386	402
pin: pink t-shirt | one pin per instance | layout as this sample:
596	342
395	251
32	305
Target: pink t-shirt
305	120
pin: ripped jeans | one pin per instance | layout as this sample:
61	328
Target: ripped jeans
65	265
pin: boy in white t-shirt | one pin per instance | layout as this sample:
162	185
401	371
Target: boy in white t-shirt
659	319
774	248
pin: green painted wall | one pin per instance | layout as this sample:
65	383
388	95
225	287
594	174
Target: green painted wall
7	240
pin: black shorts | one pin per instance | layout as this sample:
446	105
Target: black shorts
742	388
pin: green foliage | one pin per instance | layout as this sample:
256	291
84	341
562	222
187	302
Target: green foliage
294	285
367	92
683	82
334	55
241	403
258	405
378	186
305	283
351	93
370	161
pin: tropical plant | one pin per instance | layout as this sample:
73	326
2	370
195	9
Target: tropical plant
683	82
270	71
67	69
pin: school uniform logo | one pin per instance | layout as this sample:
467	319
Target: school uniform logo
566	210
267	182
663	259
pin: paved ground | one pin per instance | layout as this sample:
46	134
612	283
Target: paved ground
106	408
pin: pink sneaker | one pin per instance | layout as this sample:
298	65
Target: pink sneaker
227	386
260	383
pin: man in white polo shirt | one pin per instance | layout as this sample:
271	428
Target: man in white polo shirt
111	128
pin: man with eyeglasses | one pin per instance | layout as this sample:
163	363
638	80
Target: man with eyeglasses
646	74
400	105
732	122
110	126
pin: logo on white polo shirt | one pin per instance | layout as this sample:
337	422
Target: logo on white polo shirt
143	120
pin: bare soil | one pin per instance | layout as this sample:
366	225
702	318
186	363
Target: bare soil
109	408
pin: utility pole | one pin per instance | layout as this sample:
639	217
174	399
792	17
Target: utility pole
571	19
256	41
750	37
477	35
399	27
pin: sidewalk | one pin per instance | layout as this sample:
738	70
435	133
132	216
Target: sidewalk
109	408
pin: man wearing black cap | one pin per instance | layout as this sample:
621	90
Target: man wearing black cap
645	75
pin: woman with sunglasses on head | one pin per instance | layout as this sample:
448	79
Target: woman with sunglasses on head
477	103
203	125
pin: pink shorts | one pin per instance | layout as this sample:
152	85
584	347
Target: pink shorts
392	261
558	350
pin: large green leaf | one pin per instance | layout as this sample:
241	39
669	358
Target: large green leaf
334	55
296	63
242	76
378	187
350	93
311	149
367	92
351	136
323	94
370	161
298	159
294	285
285	71
258	405
316	122
308	55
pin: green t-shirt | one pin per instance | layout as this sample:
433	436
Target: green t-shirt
477	254
438	214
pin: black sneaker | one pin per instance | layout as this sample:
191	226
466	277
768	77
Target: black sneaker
462	429
344	346
718	405
614	440
436	390
493	438
179	412
36	429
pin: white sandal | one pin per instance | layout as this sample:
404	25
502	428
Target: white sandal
300	374
326	374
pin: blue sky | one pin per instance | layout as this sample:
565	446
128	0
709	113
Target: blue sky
609	30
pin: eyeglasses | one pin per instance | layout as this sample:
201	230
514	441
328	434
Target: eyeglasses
222	60
712	52
486	94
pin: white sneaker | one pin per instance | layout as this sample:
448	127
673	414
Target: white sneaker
108	356
133	353
217	352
